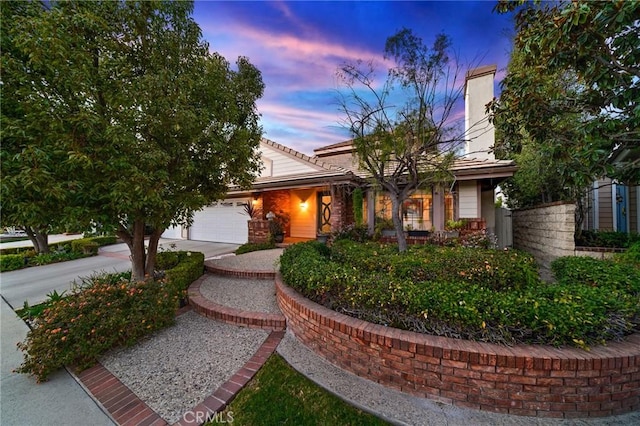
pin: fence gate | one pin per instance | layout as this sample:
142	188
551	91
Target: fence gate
504	229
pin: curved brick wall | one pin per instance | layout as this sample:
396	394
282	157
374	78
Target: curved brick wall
524	380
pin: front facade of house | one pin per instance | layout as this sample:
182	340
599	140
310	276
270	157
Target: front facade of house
315	193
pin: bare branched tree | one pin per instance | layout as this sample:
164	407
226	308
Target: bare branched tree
404	132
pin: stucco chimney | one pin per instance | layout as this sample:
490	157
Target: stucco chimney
478	92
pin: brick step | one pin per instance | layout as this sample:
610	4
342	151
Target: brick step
229	315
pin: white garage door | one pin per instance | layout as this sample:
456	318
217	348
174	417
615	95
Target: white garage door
223	222
175	232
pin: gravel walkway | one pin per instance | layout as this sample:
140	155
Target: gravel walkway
262	260
177	368
244	294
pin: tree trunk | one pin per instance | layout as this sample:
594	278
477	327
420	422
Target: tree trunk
135	241
39	239
397	221
152	251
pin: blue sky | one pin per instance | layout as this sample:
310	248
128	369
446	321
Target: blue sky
299	45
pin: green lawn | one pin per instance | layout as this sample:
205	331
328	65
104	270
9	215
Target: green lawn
279	395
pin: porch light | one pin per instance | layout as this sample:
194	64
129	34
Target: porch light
303	205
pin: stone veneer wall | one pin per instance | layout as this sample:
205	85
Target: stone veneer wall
527	380
546	231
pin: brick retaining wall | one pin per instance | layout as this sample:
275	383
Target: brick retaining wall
523	380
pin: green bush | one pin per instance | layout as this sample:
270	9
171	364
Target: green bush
592	272
479	294
610	239
11	262
90	245
106	311
78	329
630	257
188	268
249	247
54	257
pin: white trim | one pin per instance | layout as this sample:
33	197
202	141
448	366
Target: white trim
628	208
614	206
638	209
596	205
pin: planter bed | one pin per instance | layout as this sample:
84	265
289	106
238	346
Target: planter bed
528	380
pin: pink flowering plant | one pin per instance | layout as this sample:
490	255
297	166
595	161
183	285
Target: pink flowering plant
109	312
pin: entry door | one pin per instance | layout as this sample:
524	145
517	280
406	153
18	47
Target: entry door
324	212
622	208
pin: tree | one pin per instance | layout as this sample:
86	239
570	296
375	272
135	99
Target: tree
410	144
151	125
548	169
597	43
32	187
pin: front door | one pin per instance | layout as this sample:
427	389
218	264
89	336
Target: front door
622	208
324	212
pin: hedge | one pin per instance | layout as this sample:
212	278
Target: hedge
477	294
181	267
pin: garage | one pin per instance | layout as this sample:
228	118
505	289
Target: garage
223	222
174	233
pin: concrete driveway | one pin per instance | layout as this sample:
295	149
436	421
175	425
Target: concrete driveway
33	284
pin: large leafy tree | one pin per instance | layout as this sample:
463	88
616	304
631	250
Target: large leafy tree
402	129
32	184
548	169
147	125
596	45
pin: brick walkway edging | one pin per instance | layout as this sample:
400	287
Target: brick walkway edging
210	309
127	409
256	275
527	380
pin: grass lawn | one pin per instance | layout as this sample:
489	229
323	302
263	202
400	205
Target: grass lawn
279	395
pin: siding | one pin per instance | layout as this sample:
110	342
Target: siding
605	206
283	164
468	201
303	221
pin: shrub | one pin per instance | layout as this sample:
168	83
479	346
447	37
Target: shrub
11	262
104	312
90	245
358	233
631	256
592	272
77	329
462	292
188	268
54	257
610	239
249	247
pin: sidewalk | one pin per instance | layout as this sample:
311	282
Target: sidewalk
60	401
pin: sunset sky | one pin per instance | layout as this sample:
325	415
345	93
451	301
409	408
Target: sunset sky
298	46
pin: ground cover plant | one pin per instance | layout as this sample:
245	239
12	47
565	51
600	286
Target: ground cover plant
23	257
249	247
471	293
279	395
106	311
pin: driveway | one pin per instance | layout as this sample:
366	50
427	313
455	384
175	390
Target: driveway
33	284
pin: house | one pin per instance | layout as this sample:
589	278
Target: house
610	206
315	193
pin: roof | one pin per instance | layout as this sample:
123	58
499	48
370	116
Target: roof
463	168
481	71
313	161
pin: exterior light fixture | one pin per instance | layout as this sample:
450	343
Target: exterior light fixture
303	205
